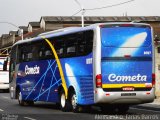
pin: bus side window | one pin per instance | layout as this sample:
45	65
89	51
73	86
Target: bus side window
89	41
48	54
35	51
59	46
81	44
85	43
60	52
45	52
41	54
29	56
20	54
71	45
25	53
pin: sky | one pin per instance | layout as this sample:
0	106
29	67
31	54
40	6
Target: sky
21	12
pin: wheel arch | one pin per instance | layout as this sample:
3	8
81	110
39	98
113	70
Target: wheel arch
70	90
60	88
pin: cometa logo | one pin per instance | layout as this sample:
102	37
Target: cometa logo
32	70
118	78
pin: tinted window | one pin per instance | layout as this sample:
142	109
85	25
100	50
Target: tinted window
118	36
74	45
71	45
35	51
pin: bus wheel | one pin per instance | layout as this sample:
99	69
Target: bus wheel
31	103
20	101
64	103
74	104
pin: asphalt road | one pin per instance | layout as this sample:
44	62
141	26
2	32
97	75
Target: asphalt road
10	110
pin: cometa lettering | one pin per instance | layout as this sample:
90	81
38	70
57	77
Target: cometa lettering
32	70
118	78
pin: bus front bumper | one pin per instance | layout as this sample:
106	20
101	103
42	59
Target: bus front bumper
4	86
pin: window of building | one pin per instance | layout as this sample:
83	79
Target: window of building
158	49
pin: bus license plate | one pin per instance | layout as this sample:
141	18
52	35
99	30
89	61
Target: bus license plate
128	94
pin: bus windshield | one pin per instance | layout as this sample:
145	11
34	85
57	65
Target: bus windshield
126	36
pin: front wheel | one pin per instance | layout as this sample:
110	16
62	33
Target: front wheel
31	103
20	100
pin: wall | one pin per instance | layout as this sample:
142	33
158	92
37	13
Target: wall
51	26
157	72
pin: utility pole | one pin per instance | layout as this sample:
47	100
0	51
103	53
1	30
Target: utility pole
19	29
82	12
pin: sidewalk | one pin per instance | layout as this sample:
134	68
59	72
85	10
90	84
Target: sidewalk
156	101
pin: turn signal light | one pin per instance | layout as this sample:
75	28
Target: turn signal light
153	79
99	81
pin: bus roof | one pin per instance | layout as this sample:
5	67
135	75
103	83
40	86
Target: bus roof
69	30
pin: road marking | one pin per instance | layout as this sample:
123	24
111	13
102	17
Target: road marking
29	118
5	97
146	110
1	110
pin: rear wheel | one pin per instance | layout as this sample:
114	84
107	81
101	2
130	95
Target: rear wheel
74	105
64	103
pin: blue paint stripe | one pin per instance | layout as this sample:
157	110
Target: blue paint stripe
47	90
40	79
42	83
51	80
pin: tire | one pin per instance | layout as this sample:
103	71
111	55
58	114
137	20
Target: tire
30	103
20	100
64	103
74	105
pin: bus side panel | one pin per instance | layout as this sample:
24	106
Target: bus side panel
39	80
78	73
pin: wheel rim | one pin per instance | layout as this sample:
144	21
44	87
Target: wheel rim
63	100
74	101
20	97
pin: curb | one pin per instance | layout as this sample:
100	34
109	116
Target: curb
155	107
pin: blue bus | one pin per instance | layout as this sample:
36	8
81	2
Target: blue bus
110	65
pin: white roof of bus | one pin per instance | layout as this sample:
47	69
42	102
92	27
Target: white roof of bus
72	30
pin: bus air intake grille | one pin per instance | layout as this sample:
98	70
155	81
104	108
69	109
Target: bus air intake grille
86	88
